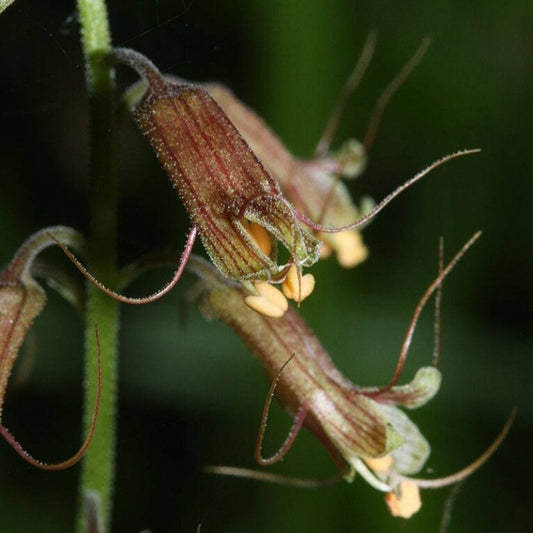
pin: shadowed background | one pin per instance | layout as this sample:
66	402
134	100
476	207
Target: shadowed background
190	393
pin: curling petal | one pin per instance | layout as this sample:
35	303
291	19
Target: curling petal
421	390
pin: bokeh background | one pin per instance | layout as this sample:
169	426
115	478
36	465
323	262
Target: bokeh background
190	393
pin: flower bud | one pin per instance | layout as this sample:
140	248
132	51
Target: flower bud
21	297
19	305
21	300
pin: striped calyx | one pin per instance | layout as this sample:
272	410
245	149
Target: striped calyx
353	423
221	182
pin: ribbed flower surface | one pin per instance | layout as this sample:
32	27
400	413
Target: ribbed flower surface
351	421
19	305
21	298
220	180
311	186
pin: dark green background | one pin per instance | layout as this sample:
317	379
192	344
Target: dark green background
190	394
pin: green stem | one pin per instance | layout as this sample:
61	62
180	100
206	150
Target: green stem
98	467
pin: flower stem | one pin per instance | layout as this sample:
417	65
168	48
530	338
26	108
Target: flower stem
96	483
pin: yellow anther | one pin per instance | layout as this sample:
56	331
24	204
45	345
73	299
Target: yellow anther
407	502
297	290
259	235
380	464
325	250
269	302
349	247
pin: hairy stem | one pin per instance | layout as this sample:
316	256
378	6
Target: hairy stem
99	463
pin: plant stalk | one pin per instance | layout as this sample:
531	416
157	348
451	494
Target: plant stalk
98	467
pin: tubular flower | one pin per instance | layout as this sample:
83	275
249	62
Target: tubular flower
21	300
312	186
234	203
365	429
236	206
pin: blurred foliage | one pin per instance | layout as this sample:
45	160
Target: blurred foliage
190	393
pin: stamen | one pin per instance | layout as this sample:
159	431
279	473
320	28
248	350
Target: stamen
369	476
261	237
269	302
407	502
380	464
325	250
349	248
297	289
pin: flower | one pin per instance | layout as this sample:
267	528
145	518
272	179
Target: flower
234	203
312	186
365	429
21	300
236	206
